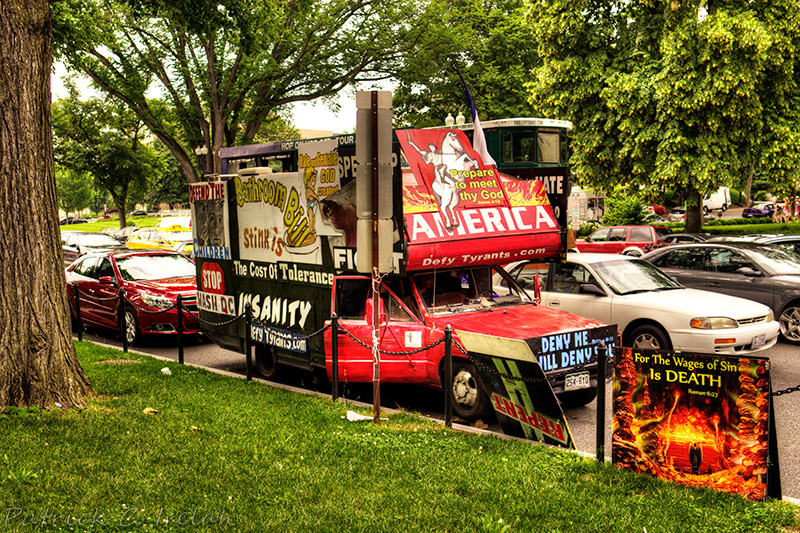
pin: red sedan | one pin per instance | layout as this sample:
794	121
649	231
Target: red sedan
151	280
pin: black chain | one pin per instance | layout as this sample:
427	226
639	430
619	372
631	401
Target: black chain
387	352
786	391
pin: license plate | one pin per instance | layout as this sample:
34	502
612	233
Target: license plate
577	381
759	340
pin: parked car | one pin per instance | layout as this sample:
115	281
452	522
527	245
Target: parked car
122	234
755	271
154	239
79	243
138	213
657	209
652	217
151	280
759	209
185	247
72	220
677	214
676	238
651	310
788	243
628	240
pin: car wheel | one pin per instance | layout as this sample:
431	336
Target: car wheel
577	398
131	331
266	364
467	394
649	337
790	323
705	210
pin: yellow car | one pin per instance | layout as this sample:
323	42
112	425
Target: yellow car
154	238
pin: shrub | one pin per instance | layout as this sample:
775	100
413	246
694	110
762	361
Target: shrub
623	210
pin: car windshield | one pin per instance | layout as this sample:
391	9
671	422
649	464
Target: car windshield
150	267
776	260
468	289
628	276
98	239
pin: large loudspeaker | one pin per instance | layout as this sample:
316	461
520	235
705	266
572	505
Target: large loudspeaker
374	107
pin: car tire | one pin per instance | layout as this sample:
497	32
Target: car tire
577	398
705	210
467	393
266	364
649	337
131	327
790	322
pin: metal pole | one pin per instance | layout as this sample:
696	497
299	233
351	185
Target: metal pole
600	442
247	345
180	329
376	371
78	312
123	325
448	376
334	357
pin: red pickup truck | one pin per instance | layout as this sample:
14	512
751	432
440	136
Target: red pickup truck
628	240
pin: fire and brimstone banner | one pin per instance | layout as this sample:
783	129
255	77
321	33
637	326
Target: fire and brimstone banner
699	420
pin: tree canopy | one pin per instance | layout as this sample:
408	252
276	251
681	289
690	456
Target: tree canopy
108	142
214	73
490	42
688	95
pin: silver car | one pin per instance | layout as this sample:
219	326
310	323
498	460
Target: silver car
759	272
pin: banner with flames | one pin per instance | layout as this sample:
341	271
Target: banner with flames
698	420
452	198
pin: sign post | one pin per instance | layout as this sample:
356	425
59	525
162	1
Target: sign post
374	206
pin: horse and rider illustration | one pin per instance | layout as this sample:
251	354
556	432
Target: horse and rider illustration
450	156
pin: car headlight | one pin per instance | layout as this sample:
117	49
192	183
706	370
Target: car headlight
154	300
714	322
770	316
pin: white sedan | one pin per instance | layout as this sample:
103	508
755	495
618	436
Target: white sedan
651	309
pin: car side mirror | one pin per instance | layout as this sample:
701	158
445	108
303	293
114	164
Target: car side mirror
749	272
591	288
107	280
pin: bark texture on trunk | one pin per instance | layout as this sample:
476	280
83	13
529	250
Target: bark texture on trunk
38	365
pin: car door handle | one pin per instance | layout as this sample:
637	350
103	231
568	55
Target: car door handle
714	284
554	303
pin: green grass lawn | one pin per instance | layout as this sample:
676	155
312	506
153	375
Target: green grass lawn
224	454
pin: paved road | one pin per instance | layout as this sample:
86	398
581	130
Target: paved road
785	359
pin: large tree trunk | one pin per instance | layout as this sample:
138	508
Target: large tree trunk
694	212
749	201
38	365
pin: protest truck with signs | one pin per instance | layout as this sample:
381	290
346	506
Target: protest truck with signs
280	236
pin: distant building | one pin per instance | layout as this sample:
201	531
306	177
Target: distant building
315	134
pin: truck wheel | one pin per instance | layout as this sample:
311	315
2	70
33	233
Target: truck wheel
265	362
649	337
577	398
468	396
